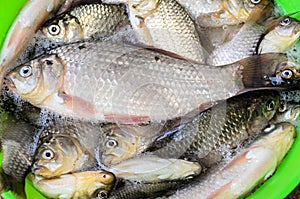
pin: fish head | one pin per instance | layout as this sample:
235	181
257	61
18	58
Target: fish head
37	79
56	155
120	143
241	9
288	112
275	70
288	30
63	29
102	185
262	110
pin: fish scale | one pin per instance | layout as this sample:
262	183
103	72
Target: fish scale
79	23
130	84
166	25
225	125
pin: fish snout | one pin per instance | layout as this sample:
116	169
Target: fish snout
9	81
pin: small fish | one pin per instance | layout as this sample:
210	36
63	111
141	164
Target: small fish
222	127
61	150
165	24
150	169
132	190
246	170
216	13
87	184
281	37
121	142
117	82
91	21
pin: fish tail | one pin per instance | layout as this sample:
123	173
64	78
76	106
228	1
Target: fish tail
260	13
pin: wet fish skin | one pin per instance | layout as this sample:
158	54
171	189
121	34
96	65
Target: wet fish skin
221	128
119	80
216	13
90	21
281	37
143	190
246	170
165	24
244	43
87	184
19	140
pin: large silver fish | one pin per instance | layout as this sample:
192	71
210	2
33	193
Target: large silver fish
124	83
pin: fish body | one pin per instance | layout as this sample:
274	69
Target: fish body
216	13
244	43
281	37
143	190
165	24
19	140
91	21
61	150
107	81
87	184
150	169
223	127
246	170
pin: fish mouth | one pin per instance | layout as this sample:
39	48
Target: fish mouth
8	81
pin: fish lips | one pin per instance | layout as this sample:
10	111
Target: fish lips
9	82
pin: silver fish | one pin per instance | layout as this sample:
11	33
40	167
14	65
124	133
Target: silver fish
216	13
19	141
246	170
165	24
106	81
221	128
281	37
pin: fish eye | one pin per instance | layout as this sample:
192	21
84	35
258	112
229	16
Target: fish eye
48	154
270	105
282	107
54	29
111	143
25	71
255	1
102	194
286	21
287	74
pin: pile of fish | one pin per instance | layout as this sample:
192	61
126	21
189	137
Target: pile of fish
147	99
